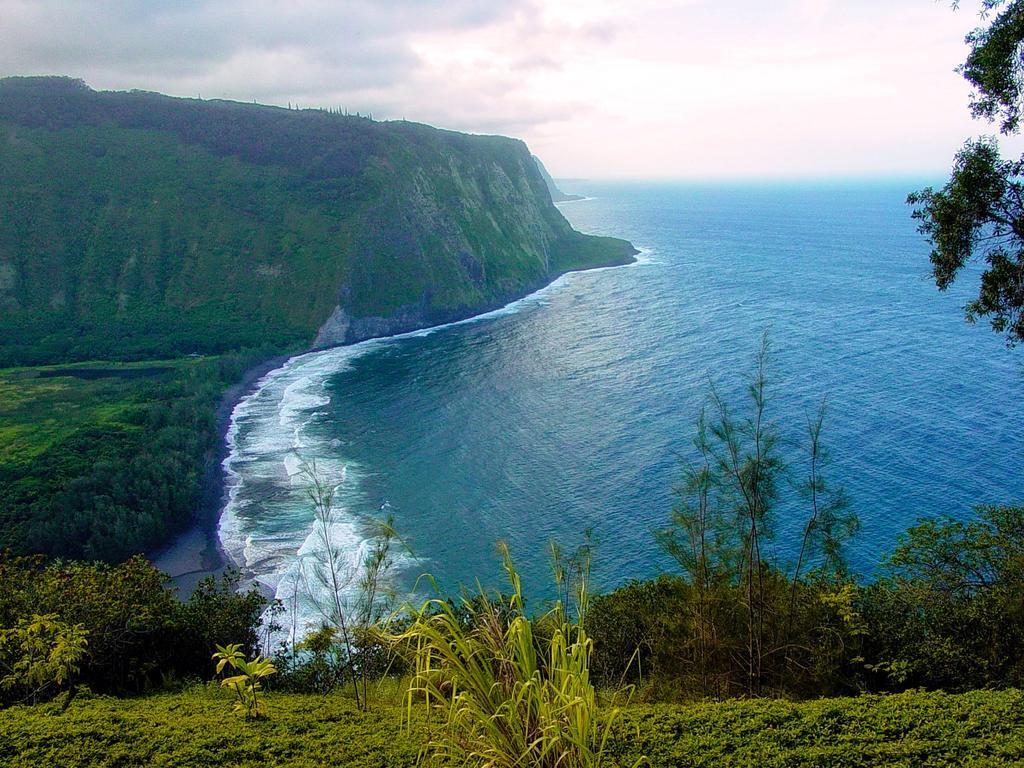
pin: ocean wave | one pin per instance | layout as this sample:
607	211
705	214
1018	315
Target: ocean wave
268	527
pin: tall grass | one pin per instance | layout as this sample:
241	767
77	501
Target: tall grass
515	691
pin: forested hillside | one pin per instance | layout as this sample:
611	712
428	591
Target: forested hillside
136	225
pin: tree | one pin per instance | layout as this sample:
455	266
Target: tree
744	609
374	601
979	213
724	518
353	593
830	524
329	571
41	655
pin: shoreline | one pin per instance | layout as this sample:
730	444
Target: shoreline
196	552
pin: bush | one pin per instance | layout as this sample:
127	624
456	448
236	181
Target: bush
946	613
140	635
512	697
645	633
194	728
949	611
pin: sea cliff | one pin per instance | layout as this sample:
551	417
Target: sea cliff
212	235
136	225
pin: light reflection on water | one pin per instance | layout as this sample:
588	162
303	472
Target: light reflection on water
571	411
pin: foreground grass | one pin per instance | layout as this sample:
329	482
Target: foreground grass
197	728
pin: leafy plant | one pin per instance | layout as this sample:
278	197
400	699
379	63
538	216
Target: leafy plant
247	683
513	698
978	214
40	655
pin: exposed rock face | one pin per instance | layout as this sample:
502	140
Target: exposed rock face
334	331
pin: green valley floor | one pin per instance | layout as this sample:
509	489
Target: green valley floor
197	728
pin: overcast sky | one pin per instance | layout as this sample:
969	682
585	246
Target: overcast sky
598	88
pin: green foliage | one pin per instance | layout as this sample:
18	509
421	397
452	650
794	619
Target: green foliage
40	656
949	612
979	212
913	729
196	728
134	225
676	643
216	611
105	461
249	680
139	633
316	664
993	65
946	613
193	728
747	626
511	697
637	629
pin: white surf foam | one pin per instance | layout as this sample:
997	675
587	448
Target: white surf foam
267	526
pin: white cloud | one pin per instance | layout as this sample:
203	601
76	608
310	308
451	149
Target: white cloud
598	87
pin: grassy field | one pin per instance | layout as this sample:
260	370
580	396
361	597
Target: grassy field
40	406
197	728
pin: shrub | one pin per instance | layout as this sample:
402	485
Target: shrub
949	610
512	698
139	633
39	657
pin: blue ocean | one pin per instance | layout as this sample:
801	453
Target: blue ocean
574	409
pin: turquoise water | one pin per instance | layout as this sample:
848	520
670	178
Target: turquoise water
573	409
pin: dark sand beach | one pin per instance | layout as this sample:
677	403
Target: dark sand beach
196	552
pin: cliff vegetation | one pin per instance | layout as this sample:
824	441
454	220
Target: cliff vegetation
140	227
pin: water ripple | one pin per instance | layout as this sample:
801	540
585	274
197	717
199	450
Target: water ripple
570	409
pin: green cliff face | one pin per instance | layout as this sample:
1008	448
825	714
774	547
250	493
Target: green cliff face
136	225
557	195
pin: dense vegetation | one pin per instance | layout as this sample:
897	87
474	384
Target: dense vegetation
195	727
944	614
103	461
134	225
138	634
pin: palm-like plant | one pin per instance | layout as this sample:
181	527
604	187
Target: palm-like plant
513	697
41	654
246	684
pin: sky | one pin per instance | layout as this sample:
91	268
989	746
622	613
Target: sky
597	88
